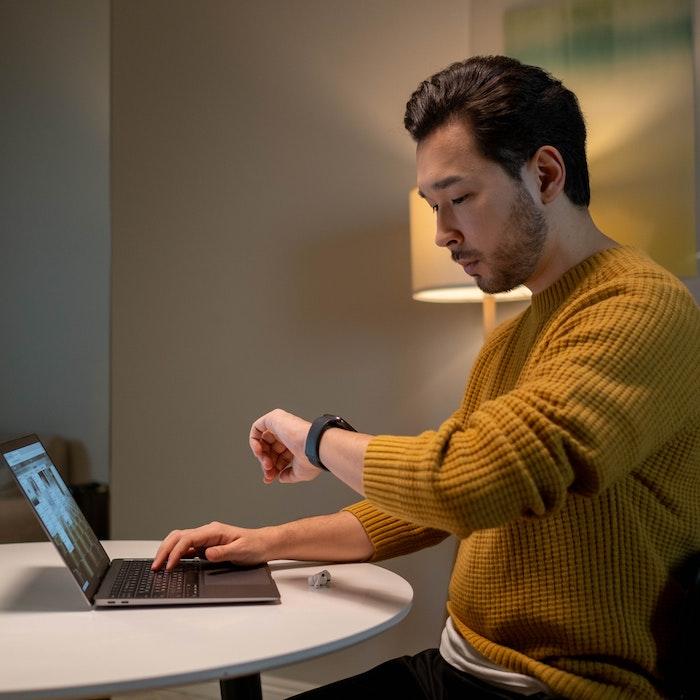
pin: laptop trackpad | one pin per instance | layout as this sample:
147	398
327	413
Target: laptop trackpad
229	575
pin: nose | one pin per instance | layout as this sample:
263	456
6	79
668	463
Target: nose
446	233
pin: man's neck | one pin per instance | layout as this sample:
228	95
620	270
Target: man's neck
572	238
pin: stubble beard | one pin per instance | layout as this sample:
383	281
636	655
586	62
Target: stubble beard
516	259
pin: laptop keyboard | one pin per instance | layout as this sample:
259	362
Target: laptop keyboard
136	580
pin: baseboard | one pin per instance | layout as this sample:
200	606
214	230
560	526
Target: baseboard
279	688
273	688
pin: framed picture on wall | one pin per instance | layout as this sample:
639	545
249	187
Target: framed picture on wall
630	62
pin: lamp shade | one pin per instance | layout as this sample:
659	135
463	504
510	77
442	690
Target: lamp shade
434	275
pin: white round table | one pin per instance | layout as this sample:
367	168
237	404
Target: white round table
53	645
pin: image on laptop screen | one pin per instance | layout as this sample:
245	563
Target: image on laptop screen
63	521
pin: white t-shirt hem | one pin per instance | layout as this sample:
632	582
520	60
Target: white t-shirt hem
457	651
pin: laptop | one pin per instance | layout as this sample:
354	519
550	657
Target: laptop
122	582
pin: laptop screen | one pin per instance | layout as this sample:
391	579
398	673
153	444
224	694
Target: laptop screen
63	521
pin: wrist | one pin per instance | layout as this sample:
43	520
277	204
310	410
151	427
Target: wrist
271	542
294	430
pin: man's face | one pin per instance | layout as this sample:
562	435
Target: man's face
488	221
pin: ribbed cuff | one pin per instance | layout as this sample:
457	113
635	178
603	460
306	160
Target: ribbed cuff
391	537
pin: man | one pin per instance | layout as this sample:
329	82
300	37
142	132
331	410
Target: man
570	472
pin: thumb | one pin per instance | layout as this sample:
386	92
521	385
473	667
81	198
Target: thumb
218	553
287	476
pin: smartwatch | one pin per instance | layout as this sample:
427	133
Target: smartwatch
313	439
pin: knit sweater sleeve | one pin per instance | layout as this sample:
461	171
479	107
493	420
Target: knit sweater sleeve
390	536
603	389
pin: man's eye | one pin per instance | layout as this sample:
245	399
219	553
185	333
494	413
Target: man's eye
434	207
459	200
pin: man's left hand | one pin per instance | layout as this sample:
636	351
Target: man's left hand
277	439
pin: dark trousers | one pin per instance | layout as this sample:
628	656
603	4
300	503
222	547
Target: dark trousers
425	676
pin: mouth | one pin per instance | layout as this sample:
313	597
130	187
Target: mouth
469	266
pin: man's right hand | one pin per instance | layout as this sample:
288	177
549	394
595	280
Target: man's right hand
336	537
217	542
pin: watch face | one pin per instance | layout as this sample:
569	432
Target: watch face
339	422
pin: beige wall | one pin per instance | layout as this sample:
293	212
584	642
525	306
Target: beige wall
260	175
54	227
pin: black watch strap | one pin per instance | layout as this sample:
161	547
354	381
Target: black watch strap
313	439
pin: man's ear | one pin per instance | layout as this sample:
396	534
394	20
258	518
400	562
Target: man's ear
549	173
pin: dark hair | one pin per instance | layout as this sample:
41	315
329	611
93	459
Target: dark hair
512	108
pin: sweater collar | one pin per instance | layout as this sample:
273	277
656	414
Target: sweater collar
548	299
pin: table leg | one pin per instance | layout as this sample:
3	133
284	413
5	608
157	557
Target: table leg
243	688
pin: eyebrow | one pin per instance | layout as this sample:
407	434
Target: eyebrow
444	183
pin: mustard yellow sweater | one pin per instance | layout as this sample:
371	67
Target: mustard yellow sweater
571	475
